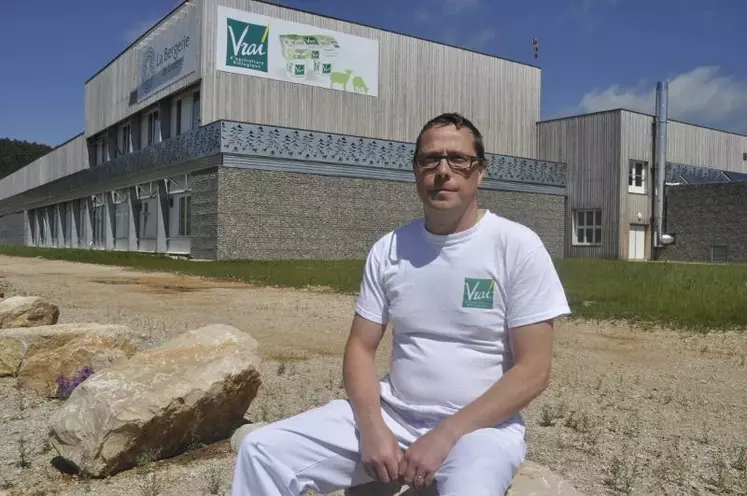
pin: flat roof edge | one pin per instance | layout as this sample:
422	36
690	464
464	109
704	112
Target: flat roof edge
297	9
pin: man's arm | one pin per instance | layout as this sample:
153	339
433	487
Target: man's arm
528	378
380	453
359	371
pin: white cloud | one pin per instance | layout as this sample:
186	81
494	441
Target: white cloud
434	9
480	40
135	31
453	7
699	96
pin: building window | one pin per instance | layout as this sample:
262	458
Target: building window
33	227
719	254
196	109
41	221
179	117
98	234
100	154
637	177
125	139
185	216
587	227
153	128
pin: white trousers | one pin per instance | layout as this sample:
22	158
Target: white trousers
319	450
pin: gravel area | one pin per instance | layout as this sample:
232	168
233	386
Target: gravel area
629	411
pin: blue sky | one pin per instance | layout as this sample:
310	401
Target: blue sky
594	54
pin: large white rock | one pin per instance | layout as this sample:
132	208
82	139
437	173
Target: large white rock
27	311
530	480
194	388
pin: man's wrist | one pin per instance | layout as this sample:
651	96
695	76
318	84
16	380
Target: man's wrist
453	427
369	418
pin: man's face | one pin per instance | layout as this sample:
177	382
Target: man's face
441	187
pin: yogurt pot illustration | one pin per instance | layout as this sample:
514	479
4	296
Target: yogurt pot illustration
325	53
308	52
297	56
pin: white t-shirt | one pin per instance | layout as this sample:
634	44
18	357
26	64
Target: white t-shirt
451	300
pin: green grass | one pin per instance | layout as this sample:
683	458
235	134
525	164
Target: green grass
339	276
693	296
687	296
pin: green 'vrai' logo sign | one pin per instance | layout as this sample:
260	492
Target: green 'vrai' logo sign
246	45
478	293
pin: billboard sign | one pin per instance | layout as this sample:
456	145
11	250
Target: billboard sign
267	47
169	55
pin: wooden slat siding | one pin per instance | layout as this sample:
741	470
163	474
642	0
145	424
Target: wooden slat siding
590	145
636	143
417	81
64	160
693	145
107	95
686	144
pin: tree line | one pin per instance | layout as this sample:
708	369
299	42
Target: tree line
14	154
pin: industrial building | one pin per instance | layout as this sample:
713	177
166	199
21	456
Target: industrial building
237	129
244	129
614	209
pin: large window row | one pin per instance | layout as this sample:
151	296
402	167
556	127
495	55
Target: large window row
150	217
183	115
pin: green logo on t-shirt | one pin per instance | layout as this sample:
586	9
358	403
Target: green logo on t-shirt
478	293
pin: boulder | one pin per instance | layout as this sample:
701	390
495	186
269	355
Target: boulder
38	355
193	388
531	479
536	480
27	311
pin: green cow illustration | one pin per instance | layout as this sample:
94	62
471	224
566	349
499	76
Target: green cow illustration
360	85
340	78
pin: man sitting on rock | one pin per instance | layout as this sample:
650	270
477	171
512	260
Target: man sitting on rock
472	297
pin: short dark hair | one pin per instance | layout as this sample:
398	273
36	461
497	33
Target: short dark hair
459	121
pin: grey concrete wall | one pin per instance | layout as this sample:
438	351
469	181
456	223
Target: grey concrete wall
702	215
13	229
204	185
263	214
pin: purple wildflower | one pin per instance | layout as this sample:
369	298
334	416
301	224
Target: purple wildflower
66	386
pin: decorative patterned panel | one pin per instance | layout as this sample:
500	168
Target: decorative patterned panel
198	143
271	141
692	174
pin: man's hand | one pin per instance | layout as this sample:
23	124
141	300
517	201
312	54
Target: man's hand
380	454
424	457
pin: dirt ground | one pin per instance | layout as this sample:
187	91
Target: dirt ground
629	411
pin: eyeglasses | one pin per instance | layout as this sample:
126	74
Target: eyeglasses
456	161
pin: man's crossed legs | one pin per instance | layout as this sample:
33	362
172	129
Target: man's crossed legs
319	450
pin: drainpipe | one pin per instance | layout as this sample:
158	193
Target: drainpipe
662	89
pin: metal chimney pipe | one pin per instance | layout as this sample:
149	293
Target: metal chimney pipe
662	90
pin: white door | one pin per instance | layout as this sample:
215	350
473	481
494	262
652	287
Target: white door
637	242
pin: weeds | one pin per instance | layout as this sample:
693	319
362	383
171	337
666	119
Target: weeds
23	455
213	480
150	482
721	477
622	474
579	422
740	463
547	416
